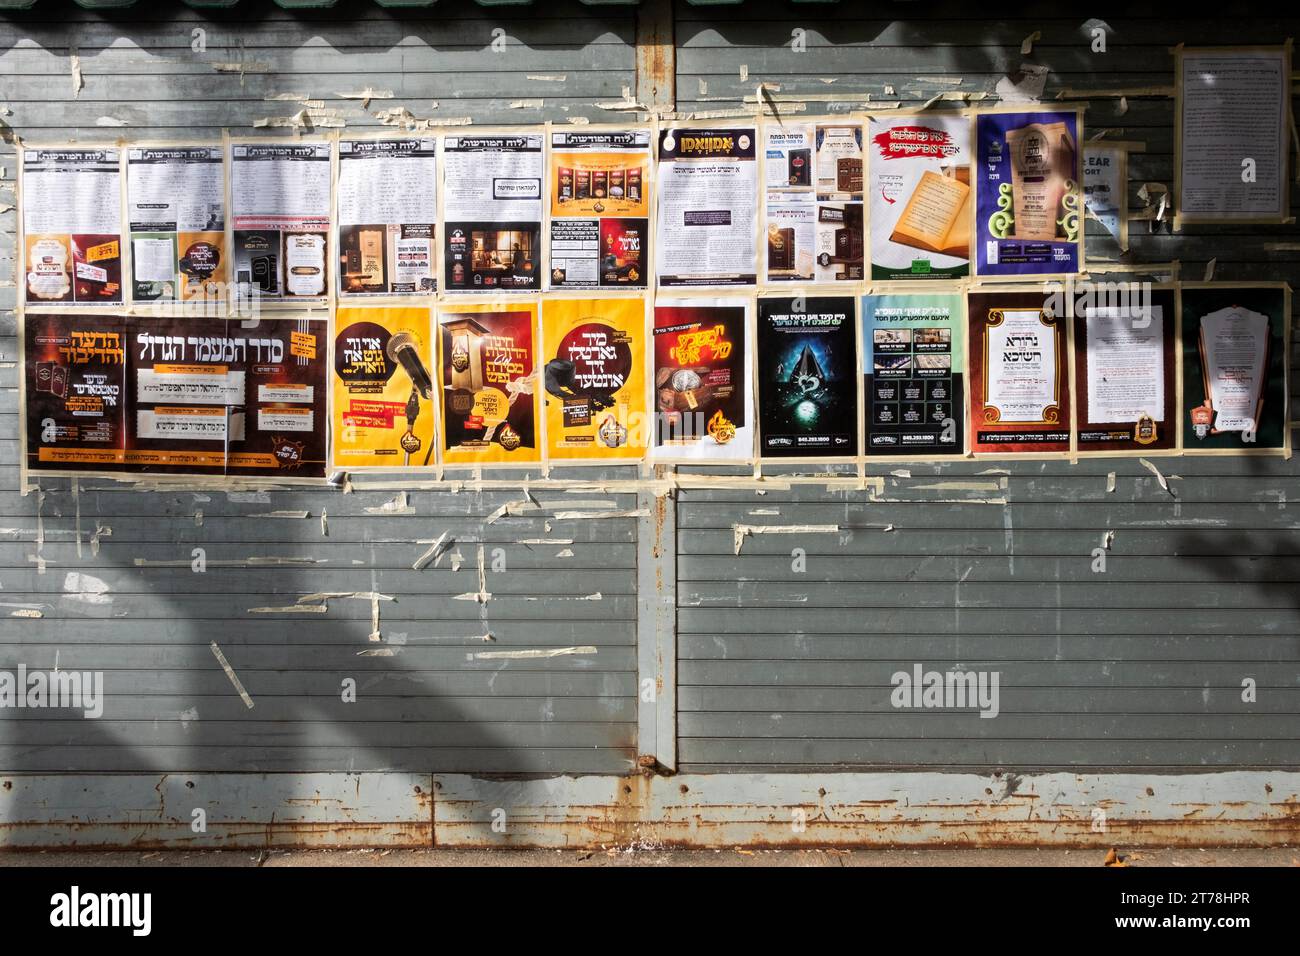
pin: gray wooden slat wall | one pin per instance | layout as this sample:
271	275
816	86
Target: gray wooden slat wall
427	707
1141	666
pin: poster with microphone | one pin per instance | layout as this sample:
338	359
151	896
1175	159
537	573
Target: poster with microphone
487	365
383	391
593	355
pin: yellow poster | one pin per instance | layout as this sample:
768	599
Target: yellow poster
593	354
383	392
487	361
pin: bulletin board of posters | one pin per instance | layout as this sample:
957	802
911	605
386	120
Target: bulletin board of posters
1019	375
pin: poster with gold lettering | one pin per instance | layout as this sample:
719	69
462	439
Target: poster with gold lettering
383	393
593	352
487	364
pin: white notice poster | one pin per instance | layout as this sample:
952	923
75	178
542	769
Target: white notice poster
708	199
1020	370
1126	365
1233	113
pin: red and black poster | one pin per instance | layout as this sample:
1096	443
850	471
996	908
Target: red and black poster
1019	374
141	394
703	406
74	382
807	377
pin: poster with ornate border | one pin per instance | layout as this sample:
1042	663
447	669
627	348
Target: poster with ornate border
1019	375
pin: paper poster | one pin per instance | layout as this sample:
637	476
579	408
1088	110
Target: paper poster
176	217
72	226
383	388
813	202
388	214
593	355
489	382
1125	383
1105	196
182	395
1019	375
807	377
493	211
1234	367
600	209
704	408
1028	198
280	209
920	189
74	384
1233	120
913	362
708	199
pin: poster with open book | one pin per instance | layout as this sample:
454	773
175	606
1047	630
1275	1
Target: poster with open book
920	197
1234	367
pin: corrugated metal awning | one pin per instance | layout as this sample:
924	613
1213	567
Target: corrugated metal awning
326	4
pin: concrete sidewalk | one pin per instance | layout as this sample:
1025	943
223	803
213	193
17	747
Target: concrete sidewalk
646	855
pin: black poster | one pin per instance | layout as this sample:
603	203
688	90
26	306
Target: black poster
807	377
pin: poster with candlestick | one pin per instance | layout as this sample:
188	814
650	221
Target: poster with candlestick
383	393
487	366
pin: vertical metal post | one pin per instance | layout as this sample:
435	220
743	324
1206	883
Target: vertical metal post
656	630
656	56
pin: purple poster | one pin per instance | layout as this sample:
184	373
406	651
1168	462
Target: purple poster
1028	193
